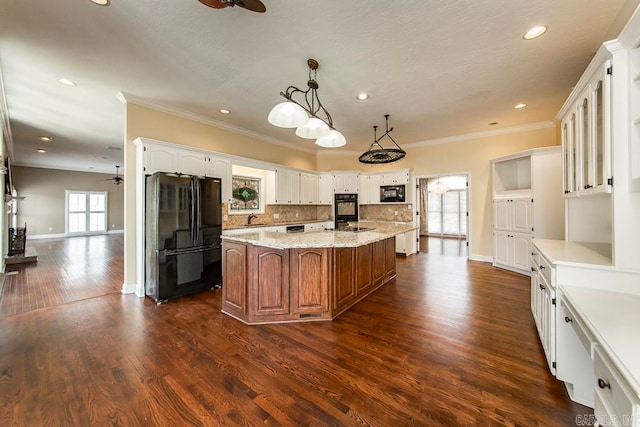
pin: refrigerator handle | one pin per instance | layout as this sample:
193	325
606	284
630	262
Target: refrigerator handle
193	211
198	213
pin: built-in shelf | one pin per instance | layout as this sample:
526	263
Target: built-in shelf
512	175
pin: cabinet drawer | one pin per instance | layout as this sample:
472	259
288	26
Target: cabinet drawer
614	402
546	270
583	334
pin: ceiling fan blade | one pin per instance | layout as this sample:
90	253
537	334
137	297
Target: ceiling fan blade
216	4
253	5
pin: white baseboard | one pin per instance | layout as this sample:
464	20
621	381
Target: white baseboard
61	235
129	288
45	236
482	258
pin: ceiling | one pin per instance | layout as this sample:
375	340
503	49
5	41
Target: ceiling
439	68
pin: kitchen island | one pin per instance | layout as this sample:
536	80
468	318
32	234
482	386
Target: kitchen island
273	277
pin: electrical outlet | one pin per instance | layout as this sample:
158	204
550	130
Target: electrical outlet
395	213
297	214
225	217
276	216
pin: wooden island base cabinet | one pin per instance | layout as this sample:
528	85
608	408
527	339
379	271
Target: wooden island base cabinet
268	285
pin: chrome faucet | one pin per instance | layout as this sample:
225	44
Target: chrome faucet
251	216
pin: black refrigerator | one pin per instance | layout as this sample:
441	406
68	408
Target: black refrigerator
183	228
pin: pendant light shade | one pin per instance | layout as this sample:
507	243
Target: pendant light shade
307	114
314	129
288	115
333	140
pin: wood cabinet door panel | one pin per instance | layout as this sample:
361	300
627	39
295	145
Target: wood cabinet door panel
310	281
270	282
379	266
234	279
363	268
344	289
390	257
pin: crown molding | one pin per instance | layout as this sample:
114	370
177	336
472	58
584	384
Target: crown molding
129	98
483	134
68	169
4	117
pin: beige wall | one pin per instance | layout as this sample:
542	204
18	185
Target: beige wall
469	156
149	123
43	206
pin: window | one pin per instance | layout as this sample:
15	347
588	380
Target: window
86	212
447	212
247	194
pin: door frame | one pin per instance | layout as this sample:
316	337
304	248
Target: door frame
418	206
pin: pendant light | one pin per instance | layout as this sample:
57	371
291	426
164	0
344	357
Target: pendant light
304	114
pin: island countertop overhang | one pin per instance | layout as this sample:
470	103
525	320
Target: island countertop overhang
323	238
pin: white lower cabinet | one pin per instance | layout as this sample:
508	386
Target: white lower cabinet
511	250
615	404
406	243
574	365
543	308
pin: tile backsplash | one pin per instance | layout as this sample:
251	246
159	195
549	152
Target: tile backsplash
285	213
390	212
305	213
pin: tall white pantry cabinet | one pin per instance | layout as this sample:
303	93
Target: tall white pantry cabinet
527	203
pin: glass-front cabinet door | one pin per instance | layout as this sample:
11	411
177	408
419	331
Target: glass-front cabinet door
586	138
601	130
584	142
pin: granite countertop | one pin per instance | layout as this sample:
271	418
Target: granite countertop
380	230
613	318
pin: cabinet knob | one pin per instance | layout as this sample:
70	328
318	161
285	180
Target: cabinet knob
603	384
542	287
567	319
542	267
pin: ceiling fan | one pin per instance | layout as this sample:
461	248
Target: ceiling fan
253	5
117	180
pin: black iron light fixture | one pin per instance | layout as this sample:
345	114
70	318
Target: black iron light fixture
308	115
376	154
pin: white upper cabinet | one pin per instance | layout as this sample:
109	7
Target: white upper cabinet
220	167
287	187
345	182
586	136
160	158
369	188
325	189
395	178
191	162
309	188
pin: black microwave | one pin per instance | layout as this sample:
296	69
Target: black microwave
392	193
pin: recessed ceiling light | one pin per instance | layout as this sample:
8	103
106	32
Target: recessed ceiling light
493	123
46	138
41	150
223	111
535	32
519	106
66	82
362	96
101	2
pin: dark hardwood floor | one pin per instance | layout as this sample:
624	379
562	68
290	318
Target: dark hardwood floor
449	342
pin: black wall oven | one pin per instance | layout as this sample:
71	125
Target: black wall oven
346	209
392	193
